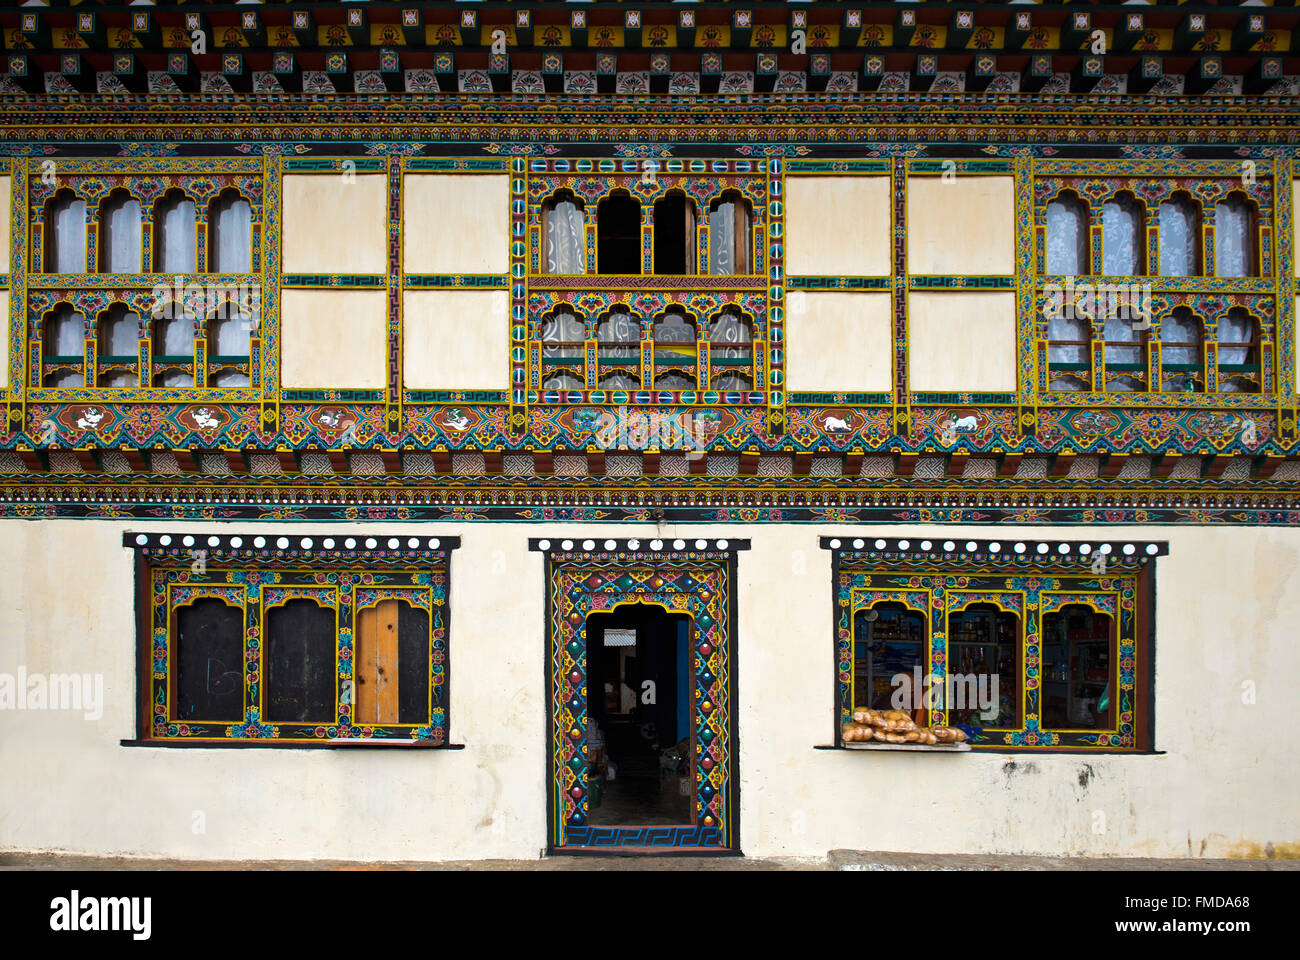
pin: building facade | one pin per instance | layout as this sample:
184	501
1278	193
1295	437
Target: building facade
461	431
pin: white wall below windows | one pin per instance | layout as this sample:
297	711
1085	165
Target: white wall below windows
1227	600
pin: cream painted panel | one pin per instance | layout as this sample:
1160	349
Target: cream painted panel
456	339
5	209
837	226
333	338
455	223
335	226
966	227
839	341
1225	785
962	341
4	335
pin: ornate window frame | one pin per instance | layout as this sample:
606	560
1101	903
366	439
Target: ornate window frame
941	574
350	570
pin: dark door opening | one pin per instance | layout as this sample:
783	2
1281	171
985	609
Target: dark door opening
640	751
618	235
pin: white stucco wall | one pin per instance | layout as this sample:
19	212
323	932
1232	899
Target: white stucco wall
1227	603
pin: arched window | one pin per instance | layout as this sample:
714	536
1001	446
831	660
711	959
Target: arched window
1122	237
118	345
563	334
173	229
1238	340
65	234
1180	352
564	235
230	234
562	380
620	380
671	327
230	331
674	380
63	347
173	341
229	378
731	338
1234	237
730	225
674	232
618	234
1126	361
620	329
1180	237
119	234
1068	359
1066	252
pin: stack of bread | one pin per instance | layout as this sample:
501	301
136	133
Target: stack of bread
895	726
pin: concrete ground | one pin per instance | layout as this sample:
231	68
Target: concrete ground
853	860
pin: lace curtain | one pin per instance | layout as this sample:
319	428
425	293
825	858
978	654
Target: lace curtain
618	328
565	239
232	235
1121	238
175	224
1180	346
722	236
119	334
68	241
1235	328
562	328
1233	249
231	337
65	334
174	338
1178	238
1067	238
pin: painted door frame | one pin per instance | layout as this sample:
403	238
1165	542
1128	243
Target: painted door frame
699	582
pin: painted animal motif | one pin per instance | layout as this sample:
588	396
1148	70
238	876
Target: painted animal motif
90	419
331	418
456	420
204	419
834	423
965	424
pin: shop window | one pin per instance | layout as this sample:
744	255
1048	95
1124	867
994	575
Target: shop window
259	647
1021	645
1079	657
119	234
174	250
1238	340
65	234
1181	370
1234	237
230	234
564	235
1180	236
674	234
730	222
1123	237
63	347
618	234
1066	252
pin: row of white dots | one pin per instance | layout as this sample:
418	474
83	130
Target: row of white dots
568	545
971	546
284	543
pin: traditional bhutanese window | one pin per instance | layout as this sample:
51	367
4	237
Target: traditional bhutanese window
117	337
1179	230
618	234
319	640
63	347
618	336
1125	355
1181	353
564	235
1122	237
174	236
173	352
674	234
1066	241
65	234
675	338
1019	645
563	334
230	234
1234	236
731	342
730	222
563	380
119	234
1238	341
1068	358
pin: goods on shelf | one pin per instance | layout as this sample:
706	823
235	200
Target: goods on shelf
895	726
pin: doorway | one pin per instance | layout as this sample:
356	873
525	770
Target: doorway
640	752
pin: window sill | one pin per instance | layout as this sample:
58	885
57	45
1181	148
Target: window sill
906	747
249	743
